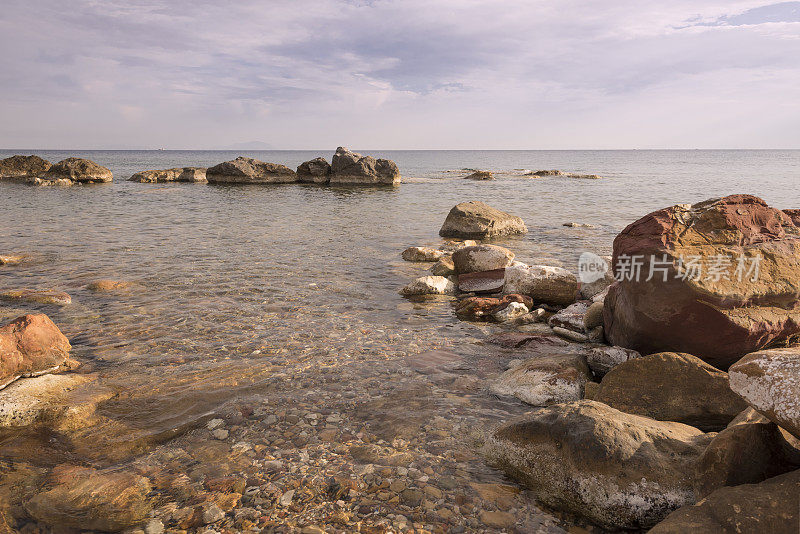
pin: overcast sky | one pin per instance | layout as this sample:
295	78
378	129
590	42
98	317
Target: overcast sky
386	74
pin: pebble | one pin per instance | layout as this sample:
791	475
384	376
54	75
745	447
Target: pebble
220	434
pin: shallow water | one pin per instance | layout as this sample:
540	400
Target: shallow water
271	292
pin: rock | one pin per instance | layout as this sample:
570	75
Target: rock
578	225
596	335
545	379
37	296
481	258
618	470
444	267
555	172
22	167
154	526
593	316
551	285
31	345
602	359
552	172
220	434
572	335
476	220
482	308
482	282
12	259
744	308
571	317
596	283
670	386
86	499
59	182
77	170
497	519
590	390
351	168
421	254
429	285
315	171
770	506
510	312
451	245
521	339
745	453
178	174
249	171
769	380
480	175
105	286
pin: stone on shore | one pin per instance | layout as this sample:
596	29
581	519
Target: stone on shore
600	281
769	380
352	168
671	386
422	254
31	345
37	296
20	168
87	499
618	470
513	311
480	175
481	258
602	359
429	285
551	285
571	317
249	171
476	220
483	308
315	171
768	507
178	174
444	267
593	317
545	379
482	282
730	308
77	170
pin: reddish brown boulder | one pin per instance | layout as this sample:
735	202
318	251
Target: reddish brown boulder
31	345
482	308
745	295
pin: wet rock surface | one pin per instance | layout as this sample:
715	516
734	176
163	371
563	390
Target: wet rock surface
31	345
477	220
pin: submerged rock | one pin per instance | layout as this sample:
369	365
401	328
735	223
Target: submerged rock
422	254
77	170
351	168
23	167
745	307
249	171
770	506
618	470
31	345
179	174
12	259
87	499
315	171
37	296
476	220
481	258
670	386
551	285
480	175
105	286
429	285
545	379
769	380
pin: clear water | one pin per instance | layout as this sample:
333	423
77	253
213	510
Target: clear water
274	291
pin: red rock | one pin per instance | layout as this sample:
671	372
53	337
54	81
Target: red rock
714	318
483	281
482	308
31	345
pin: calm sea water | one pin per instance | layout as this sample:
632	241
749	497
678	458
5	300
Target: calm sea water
257	290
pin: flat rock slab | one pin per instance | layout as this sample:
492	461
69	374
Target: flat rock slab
482	282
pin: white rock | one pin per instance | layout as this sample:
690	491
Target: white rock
429	285
510	312
571	335
544	380
552	285
420	254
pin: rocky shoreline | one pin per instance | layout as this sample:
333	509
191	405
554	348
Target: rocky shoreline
635	434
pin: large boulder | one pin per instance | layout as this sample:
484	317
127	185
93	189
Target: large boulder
86	499
770	506
551	285
479	258
179	174
77	170
548	378
31	345
672	387
351	168
769	380
476	220
745	295
23	167
315	171
249	171
620	471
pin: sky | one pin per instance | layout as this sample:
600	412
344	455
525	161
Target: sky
399	74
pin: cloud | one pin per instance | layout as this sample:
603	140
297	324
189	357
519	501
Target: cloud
399	73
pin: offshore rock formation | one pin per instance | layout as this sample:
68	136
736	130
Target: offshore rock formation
249	171
21	168
74	170
723	313
179	174
352	168
315	171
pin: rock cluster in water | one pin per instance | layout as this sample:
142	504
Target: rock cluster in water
38	171
635	422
